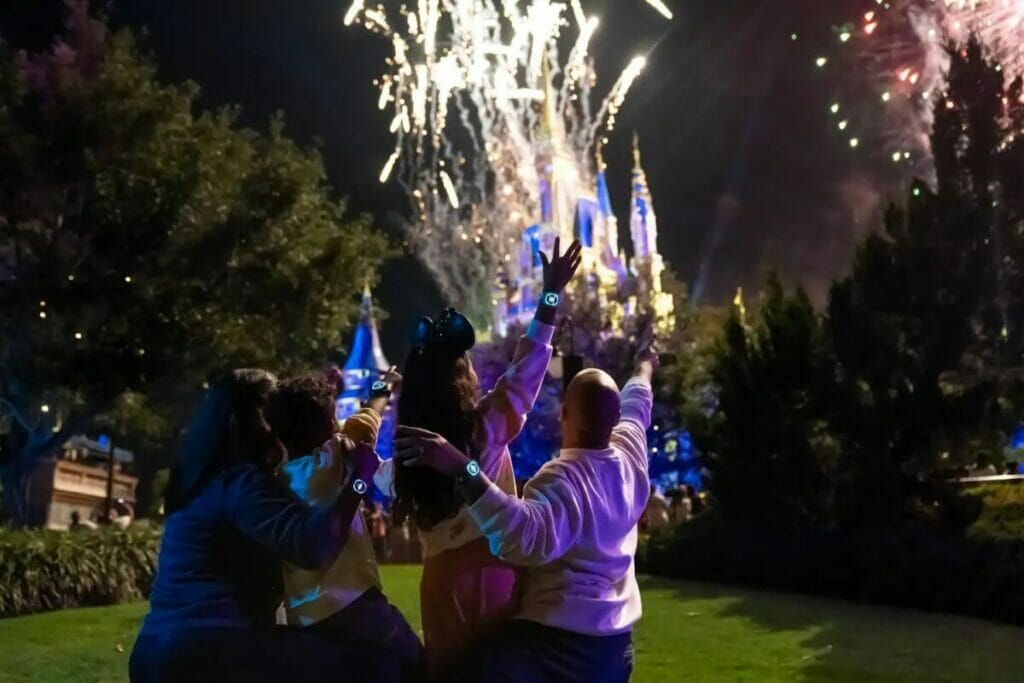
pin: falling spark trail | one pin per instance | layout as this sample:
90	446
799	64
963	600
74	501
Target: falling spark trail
492	71
661	8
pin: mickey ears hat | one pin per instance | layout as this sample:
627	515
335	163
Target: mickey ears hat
452	331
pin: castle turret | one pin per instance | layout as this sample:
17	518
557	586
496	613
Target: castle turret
365	361
643	223
643	226
608	241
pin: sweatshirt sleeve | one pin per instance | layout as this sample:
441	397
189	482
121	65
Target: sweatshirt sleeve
502	412
384	479
630	435
267	512
536	530
363	426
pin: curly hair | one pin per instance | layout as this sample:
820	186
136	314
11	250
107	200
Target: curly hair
301	412
439	393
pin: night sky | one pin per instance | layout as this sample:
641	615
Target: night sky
747	174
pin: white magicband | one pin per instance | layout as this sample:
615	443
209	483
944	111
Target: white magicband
359	486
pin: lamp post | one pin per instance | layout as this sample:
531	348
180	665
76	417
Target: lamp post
108	504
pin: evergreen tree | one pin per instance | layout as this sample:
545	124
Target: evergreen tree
145	247
767	444
924	324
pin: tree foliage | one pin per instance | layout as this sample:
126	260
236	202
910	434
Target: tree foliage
767	445
146	245
863	416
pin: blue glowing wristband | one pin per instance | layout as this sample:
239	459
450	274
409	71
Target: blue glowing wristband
550	299
471	471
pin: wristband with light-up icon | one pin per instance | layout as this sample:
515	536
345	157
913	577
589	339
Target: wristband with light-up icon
380	388
470	471
550	299
360	487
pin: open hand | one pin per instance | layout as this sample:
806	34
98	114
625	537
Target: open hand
416	447
646	351
560	268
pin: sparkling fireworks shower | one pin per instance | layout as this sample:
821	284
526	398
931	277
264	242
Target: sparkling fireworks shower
473	91
891	63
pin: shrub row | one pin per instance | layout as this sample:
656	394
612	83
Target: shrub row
911	565
1002	511
49	570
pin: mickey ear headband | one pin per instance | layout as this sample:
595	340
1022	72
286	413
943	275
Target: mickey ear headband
452	331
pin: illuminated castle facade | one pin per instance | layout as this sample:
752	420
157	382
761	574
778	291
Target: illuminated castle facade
571	210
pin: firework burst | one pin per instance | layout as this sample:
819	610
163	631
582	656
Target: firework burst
894	58
475	90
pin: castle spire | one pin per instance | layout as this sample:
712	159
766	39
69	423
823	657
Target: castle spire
643	222
365	354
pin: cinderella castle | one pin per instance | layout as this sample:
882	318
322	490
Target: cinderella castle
623	288
572	203
569	210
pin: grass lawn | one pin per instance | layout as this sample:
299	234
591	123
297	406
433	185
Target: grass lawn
700	633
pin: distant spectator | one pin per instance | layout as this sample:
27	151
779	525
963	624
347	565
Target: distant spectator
681	509
379	531
656	513
121	514
78	524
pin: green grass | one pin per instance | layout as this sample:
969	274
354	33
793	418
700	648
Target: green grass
690	632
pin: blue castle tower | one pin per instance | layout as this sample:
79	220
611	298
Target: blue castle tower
364	365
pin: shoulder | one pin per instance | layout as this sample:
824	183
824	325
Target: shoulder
554	474
244	477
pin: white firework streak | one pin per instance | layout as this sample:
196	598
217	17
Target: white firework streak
899	53
475	89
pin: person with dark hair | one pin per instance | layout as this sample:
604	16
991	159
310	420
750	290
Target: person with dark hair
574	532
464	591
229	525
340	600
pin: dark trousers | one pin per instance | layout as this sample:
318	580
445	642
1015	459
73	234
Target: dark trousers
372	621
527	652
254	655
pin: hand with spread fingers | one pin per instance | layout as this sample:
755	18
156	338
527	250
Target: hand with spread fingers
416	447
559	269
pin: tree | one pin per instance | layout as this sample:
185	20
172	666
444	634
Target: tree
146	246
927	326
766	443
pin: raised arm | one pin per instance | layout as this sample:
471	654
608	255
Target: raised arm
268	513
380	393
502	412
630	435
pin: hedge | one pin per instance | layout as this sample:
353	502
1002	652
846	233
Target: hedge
50	570
912	565
1002	511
